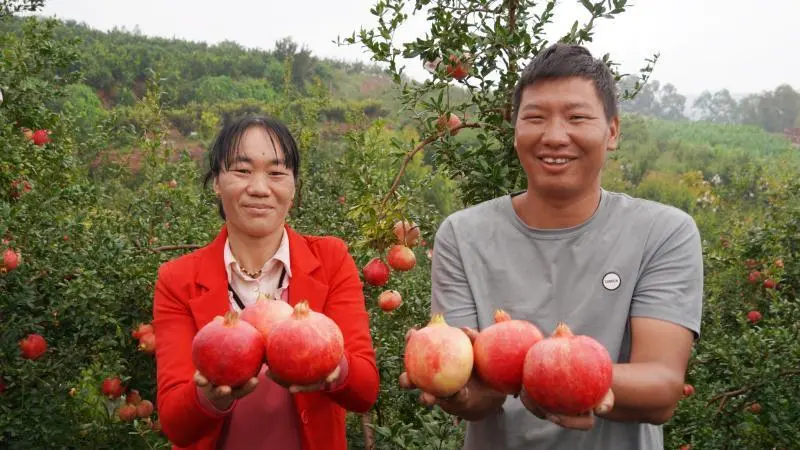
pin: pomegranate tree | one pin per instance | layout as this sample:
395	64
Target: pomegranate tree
567	374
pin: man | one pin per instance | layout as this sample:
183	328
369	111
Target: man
627	272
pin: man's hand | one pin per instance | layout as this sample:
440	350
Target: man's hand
472	402
583	421
223	396
330	380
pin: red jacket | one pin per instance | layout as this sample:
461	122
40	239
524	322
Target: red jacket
191	290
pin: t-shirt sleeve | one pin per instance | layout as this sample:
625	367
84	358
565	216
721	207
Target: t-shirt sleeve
670	286
450	290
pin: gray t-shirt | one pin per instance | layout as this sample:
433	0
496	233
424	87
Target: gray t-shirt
633	257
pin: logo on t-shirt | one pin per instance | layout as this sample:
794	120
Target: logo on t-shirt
611	281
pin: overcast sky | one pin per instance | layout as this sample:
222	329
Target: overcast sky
704	44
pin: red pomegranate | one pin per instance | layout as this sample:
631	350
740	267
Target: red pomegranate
127	412
407	233
33	346
228	351
567	374
41	137
376	272
439	358
112	387
10	259
144	409
147	343
389	300
754	316
401	258
265	313
141	330
500	351
305	348
133	397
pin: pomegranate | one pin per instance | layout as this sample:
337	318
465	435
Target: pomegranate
754	316
33	346
567	374
389	300
2	385
500	351
112	387
127	413
754	276
228	351
173	183
407	233
401	258
133	397
141	330
265	313
779	263
439	358
41	137
688	390
450	122
457	69
10	260
147	343
769	283
376	272
755	408
305	348
144	409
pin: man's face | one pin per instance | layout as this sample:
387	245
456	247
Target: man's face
562	135
257	189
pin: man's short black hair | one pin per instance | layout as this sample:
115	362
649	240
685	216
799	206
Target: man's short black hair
569	60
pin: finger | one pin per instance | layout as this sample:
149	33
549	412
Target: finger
199	379
334	375
294	389
530	405
427	399
471	333
606	404
405	381
582	422
248	387
221	391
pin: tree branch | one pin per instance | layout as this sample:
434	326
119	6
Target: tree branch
512	56
369	437
725	396
165	248
410	155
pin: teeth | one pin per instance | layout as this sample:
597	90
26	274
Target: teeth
555	160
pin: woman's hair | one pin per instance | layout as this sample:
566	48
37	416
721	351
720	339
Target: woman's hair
226	146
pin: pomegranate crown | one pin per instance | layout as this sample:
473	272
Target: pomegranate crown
301	310
562	330
437	319
230	318
501	316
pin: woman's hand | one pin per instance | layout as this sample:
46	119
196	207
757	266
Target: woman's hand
331	380
222	397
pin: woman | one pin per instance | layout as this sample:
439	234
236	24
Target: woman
254	166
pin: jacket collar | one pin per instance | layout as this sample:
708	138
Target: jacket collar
212	274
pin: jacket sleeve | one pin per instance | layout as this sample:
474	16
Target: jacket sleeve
183	420
345	305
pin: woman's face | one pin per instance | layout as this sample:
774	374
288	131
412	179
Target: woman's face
257	189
